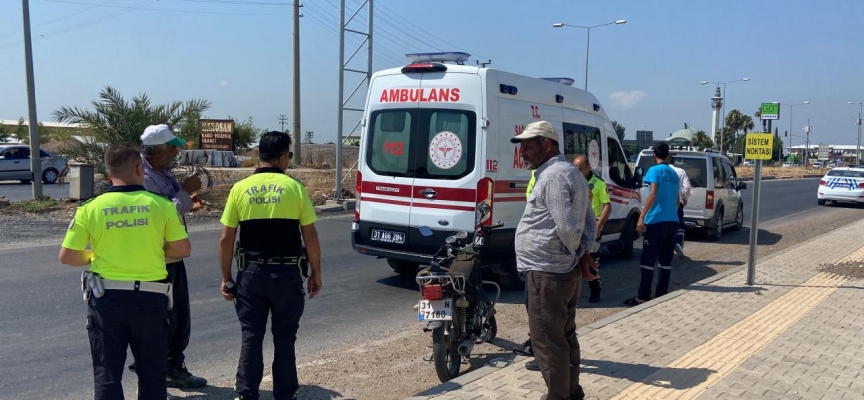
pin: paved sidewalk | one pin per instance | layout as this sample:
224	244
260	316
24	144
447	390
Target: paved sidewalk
797	334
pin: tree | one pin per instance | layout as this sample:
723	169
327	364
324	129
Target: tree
113	120
736	122
701	140
619	130
5	133
22	132
245	133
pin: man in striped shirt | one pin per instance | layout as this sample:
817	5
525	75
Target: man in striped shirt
555	235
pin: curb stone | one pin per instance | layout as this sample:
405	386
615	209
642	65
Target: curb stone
481	372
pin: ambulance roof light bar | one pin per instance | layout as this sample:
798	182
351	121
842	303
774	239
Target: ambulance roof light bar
447	56
563	81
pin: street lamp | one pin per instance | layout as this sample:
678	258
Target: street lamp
790	123
588	46
723	110
858	122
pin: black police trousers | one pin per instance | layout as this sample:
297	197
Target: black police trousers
180	316
276	290
133	319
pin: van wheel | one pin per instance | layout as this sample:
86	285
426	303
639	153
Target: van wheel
739	217
402	267
628	236
716	231
513	280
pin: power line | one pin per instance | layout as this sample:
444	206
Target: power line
61	18
251	3
161	9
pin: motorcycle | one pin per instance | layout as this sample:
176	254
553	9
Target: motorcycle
455	307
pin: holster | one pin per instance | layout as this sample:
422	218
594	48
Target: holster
303	263
239	256
91	285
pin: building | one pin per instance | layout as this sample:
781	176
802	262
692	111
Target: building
643	140
837	152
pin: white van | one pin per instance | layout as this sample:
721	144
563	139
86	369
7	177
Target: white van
436	147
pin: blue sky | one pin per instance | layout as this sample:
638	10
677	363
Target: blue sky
646	72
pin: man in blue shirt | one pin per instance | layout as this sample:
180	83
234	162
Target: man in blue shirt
659	224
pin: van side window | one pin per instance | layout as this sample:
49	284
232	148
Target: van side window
579	140
730	174
721	180
619	171
391	139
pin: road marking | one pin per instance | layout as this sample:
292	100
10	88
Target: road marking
693	373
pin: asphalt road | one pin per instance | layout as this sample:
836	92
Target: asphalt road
43	343
17	191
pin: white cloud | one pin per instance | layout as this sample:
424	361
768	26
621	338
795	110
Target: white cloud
224	83
626	100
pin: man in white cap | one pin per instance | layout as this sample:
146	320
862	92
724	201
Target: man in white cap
555	235
160	148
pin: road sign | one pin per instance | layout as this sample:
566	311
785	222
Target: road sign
824	151
759	146
770	111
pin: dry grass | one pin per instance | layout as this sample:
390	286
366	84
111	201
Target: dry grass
320	185
780	172
46	205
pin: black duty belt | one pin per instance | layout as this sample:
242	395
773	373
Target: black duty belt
273	260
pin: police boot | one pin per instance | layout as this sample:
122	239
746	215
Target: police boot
595	291
180	377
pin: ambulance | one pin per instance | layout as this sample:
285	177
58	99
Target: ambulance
435	152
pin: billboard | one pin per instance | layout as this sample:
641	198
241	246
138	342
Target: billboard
216	134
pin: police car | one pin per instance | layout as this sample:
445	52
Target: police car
436	150
842	184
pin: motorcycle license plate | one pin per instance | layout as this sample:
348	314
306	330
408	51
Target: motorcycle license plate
435	310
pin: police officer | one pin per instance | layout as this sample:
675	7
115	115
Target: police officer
130	232
275	217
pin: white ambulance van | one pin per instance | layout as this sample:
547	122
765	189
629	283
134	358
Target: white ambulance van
435	148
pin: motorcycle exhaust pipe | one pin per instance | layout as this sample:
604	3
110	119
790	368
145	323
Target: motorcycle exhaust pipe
465	347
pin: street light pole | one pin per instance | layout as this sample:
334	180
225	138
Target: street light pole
588	45
791	107
858	122
35	159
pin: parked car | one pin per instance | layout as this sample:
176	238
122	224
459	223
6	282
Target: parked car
715	200
787	165
841	184
747	163
817	164
832	165
15	164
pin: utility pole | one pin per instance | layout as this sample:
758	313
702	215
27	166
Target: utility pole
35	159
296	131
282	119
807	150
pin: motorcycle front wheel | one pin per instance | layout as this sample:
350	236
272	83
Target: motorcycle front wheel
445	353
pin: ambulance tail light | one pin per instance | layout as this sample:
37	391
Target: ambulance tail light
709	200
483	210
357	196
423	67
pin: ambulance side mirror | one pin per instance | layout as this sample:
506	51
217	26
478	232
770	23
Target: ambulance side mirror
638	174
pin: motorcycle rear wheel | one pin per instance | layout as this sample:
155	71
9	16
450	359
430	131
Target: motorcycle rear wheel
445	353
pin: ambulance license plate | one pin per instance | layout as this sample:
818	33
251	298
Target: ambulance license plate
435	310
388	236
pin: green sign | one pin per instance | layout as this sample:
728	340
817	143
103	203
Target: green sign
770	110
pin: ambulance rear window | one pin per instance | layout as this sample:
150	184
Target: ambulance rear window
422	143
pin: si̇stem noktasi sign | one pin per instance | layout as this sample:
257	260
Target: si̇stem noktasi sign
758	146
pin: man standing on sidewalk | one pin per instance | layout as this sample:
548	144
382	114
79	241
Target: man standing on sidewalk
683	196
160	148
601	205
556	233
658	223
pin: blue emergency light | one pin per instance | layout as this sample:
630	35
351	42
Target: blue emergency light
447	56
